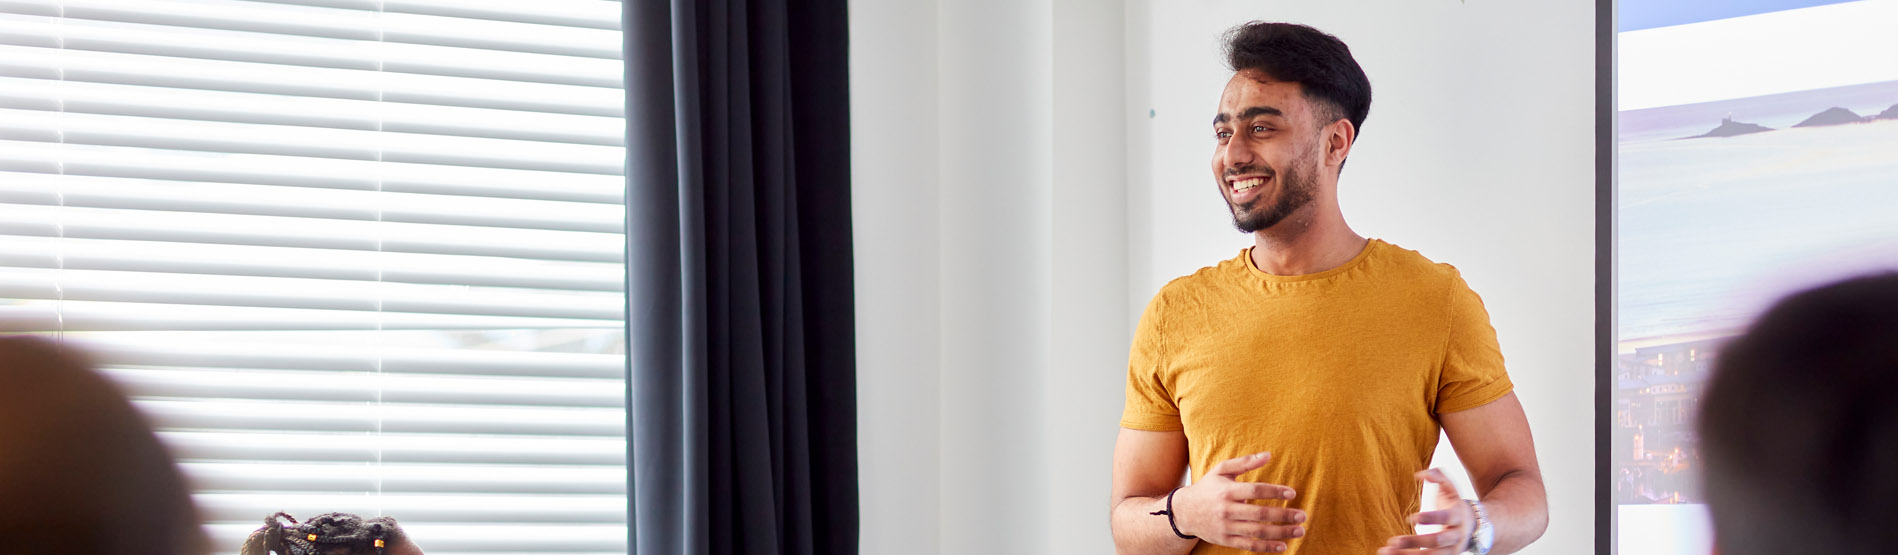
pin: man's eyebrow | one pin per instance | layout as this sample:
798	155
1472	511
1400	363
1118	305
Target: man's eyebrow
1249	113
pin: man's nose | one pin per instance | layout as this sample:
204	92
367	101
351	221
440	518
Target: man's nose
1234	152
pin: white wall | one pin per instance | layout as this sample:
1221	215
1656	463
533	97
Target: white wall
1092	329
1015	206
898	273
990	216
1478	151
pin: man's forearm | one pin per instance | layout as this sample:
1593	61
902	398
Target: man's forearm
1137	531
1518	511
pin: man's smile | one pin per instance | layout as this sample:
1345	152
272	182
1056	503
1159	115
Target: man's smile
1243	188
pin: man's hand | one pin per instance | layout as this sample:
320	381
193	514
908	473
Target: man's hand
1457	518
1218	510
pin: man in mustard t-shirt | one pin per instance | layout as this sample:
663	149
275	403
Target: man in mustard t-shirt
1339	356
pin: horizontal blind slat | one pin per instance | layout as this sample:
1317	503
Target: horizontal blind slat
359	84
279	231
107	316
597	14
294	293
522	389
44	250
406	477
352	144
411	448
262	169
208	105
305	202
384	416
514	508
350	356
592	14
290	19
288	50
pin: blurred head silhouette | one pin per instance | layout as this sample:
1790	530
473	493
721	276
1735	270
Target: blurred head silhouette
1799	426
80	471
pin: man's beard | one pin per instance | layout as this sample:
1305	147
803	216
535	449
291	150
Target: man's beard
1296	190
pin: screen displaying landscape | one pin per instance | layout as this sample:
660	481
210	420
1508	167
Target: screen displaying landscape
1757	156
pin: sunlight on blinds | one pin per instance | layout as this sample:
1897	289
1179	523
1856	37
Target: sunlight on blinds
347	255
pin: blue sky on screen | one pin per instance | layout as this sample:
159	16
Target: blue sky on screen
1633	15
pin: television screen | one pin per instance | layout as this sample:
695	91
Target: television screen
1757	155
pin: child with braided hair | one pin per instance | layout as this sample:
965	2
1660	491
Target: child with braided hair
329	534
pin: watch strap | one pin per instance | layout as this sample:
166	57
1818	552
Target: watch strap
1482	532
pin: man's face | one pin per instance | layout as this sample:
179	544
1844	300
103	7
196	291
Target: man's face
1269	151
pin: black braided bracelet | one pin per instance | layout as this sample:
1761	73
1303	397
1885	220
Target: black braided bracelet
1169	517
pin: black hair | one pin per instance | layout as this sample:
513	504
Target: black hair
324	534
1799	425
1320	63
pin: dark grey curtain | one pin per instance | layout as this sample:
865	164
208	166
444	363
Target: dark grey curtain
741	390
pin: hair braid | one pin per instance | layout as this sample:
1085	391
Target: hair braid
270	537
377	534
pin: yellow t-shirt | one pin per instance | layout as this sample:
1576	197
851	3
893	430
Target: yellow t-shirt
1340	374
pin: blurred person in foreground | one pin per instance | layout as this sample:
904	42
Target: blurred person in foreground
1799	426
80	471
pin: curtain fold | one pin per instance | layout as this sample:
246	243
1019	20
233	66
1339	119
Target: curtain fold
741	316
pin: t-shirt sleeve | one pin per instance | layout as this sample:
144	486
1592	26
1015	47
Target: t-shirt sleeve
1150	405
1473	373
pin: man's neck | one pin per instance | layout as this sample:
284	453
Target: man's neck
1305	244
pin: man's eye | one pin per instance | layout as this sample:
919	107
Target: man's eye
1258	129
1223	134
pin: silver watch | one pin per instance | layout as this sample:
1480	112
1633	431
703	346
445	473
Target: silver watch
1483	535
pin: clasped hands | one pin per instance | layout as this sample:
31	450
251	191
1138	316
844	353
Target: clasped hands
1217	508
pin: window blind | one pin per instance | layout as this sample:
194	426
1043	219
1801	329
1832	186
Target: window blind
347	255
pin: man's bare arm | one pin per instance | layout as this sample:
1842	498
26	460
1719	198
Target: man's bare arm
1495	445
1147	465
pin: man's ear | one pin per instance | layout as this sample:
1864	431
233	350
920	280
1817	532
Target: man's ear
1339	136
